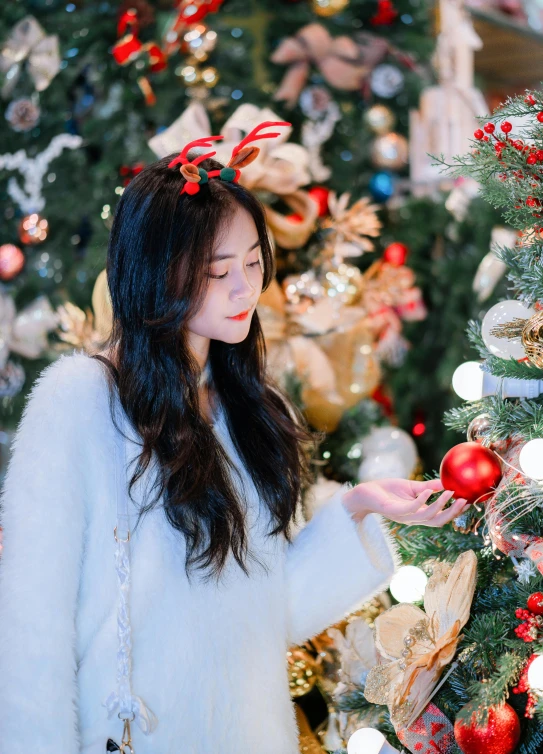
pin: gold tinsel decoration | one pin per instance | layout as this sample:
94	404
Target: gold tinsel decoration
303	671
530	331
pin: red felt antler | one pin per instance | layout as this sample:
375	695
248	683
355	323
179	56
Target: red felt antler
205	141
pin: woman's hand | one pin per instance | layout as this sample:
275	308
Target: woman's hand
403	501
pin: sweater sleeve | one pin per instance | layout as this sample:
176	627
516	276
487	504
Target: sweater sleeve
42	514
334	564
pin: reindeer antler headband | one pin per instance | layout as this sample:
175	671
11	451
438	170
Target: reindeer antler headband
242	156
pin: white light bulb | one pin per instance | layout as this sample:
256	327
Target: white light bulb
408	584
471	383
535	675
531	459
369	741
467	381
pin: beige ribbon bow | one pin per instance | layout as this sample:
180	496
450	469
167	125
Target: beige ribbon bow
417	645
339	60
28	41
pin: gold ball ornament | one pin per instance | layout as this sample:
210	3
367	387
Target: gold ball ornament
327	8
380	119
303	671
344	283
532	339
33	229
390	151
199	41
192	75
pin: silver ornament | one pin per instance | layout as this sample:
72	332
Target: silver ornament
386	80
478	428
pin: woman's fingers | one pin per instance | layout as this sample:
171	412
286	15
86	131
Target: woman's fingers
433	484
446	516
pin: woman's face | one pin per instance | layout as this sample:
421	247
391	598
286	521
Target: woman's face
235	284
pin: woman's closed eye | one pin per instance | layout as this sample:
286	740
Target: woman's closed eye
219	277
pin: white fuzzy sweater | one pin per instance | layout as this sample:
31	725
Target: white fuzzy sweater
208	660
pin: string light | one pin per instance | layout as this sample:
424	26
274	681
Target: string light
408	584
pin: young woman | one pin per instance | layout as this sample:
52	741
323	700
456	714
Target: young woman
224	575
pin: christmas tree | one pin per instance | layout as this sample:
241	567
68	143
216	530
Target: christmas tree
113	81
466	673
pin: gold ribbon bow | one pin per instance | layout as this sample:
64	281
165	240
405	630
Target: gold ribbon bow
417	645
28	41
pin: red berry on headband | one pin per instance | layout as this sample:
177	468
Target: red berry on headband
506	127
489	128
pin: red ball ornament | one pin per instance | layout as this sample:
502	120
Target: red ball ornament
471	470
396	254
500	734
320	194
33	229
478	134
506	127
535	603
12	261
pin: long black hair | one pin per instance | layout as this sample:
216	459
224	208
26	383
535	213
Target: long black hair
160	249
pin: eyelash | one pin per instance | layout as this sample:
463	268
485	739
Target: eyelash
220	277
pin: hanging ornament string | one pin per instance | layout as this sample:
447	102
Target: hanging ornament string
33	169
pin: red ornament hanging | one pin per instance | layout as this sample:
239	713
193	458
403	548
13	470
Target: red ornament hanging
499	735
33	229
471	470
535	603
320	194
396	254
385	15
12	261
128	172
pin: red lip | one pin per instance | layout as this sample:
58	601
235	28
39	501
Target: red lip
243	315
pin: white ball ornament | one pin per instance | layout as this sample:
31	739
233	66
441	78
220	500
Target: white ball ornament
499	314
531	459
369	741
390	439
382	466
535	675
408	584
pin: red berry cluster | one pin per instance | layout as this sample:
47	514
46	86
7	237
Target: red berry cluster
532	626
523	688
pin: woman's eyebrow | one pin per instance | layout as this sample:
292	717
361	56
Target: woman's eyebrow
233	256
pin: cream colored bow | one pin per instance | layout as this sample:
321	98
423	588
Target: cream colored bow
417	645
25	332
28	41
